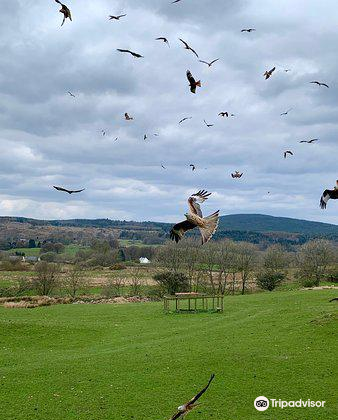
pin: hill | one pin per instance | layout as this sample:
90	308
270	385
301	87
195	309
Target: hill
266	223
256	228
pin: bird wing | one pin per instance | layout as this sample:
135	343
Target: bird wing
190	77
78	191
214	61
124	51
179	413
194	207
119	16
177	232
324	199
60	189
324	84
185	44
197	396
202	61
191	49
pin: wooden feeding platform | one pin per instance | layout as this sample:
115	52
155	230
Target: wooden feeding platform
192	303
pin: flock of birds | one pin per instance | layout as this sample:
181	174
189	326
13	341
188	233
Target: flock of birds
194	218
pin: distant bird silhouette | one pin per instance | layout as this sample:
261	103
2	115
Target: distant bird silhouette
211	62
65	11
329	194
187	47
68	191
145	137
248	30
287	70
193	167
287	152
134	54
127	117
116	138
118	17
206	225
225	114
164	39
163	166
237	174
183	410
71	94
192	82
175	1
319	83
208	125
103	132
308	141
286	112
268	73
184	119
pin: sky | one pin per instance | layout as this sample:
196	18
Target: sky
48	137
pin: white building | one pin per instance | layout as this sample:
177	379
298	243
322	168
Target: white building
144	260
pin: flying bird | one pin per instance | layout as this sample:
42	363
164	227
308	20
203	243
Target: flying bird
308	141
268	73
237	174
287	152
145	137
134	54
319	83
286	112
103	132
164	39
287	70
193	167
127	117
71	94
65	11
163	166
184	119
211	62
187	47
184	409
176	1
192	82
248	30
329	194
208	125
116	138
207	225
225	114
118	17
68	191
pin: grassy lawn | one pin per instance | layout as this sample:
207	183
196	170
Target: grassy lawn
70	250
133	362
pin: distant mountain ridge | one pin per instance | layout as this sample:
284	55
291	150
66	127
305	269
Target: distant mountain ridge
232	222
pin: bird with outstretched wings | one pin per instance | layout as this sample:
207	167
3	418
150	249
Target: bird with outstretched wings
268	73
248	30
68	191
309	141
65	11
184	409
211	62
320	83
164	39
184	119
287	152
237	174
116	17
192	82
127	117
194	218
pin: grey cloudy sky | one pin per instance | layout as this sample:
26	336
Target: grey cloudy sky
49	138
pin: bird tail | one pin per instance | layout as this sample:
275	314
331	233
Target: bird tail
198	83
210	226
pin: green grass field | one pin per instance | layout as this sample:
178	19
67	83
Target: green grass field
131	361
70	250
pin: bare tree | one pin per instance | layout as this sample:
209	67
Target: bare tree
170	257
74	281
191	251
135	285
246	261
47	277
314	258
275	259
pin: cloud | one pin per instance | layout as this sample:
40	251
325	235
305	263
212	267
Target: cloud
48	137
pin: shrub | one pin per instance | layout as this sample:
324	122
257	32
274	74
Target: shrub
171	282
47	276
269	280
117	266
113	288
49	257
